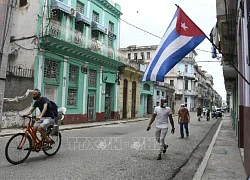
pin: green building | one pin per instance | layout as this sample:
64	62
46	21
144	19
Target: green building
146	98
76	61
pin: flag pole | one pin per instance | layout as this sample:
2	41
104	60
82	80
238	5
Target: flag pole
235	68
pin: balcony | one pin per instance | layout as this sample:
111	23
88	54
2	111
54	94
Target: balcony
190	93
189	76
166	85
63	34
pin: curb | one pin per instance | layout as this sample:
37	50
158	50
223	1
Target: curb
86	126
90	126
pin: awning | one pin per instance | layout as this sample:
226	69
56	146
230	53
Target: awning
83	18
98	27
56	4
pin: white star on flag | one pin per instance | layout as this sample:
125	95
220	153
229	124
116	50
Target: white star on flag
183	25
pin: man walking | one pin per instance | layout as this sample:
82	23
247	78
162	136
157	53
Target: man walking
183	120
162	113
199	110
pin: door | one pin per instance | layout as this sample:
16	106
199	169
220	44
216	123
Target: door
108	101
91	107
149	104
125	93
133	100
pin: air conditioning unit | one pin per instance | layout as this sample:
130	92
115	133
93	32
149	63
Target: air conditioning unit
72	12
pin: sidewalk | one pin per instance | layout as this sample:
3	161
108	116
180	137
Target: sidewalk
8	132
223	160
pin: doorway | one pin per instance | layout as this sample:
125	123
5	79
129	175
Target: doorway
125	94
133	100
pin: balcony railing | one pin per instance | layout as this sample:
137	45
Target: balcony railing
79	39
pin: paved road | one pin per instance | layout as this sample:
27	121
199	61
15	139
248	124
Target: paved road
130	153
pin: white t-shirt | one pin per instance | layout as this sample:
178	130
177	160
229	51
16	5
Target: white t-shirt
162	116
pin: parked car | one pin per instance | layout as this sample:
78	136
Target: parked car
217	112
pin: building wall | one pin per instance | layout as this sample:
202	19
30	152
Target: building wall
126	75
146	95
57	85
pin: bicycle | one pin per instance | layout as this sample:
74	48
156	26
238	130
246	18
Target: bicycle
29	136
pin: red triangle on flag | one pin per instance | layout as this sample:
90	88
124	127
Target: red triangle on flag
185	26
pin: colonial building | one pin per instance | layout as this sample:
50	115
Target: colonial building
164	91
183	77
138	57
73	48
233	29
129	97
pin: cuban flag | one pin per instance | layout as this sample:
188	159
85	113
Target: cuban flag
180	38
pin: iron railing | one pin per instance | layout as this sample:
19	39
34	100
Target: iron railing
55	29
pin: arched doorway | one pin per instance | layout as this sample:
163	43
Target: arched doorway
133	100
125	95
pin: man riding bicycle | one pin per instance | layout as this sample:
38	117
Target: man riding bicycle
46	117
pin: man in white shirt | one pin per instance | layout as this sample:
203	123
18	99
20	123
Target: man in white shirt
162	113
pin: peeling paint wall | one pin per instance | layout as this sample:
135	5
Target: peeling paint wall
13	119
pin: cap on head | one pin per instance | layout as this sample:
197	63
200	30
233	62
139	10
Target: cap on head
182	105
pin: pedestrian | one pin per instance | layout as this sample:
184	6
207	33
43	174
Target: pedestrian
199	111
208	114
204	111
162	113
183	120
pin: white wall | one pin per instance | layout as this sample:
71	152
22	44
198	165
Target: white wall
25	25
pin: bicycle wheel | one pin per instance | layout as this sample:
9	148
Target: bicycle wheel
18	148
52	148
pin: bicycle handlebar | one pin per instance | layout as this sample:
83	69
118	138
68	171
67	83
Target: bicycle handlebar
30	117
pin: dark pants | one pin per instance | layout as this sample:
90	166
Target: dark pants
186	129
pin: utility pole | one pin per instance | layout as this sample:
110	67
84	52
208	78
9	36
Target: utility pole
6	13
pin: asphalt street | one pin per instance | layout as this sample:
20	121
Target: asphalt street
114	152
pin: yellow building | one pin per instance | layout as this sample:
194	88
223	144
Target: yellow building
129	97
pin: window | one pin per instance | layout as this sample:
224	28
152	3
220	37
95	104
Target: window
52	71
186	84
172	82
111	26
73	74
92	78
162	93
95	35
95	16
148	55
186	68
186	101
135	56
79	26
80	7
142	55
72	97
23	3
129	56
157	93
55	15
73	85
146	87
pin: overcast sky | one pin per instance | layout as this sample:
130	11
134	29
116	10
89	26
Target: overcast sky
155	16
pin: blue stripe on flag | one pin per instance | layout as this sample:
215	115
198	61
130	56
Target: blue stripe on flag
174	58
172	36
